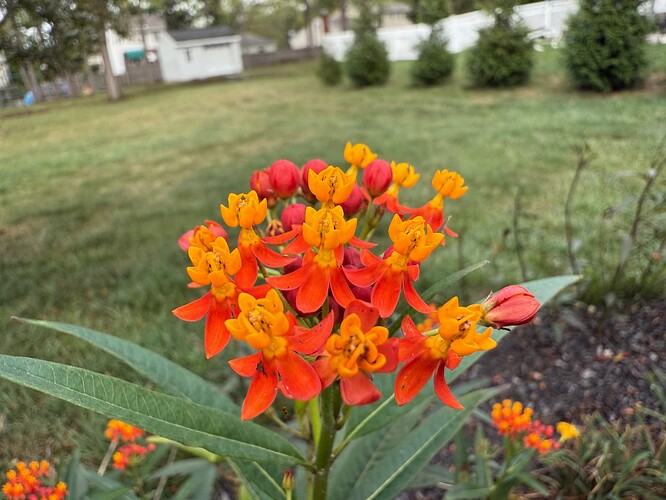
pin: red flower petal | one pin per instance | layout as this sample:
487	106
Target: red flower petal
184	240
193	311
246	366
413	298
365	276
270	257
326	373
259	291
386	293
298	246
298	377
216	334
359	243
313	290
358	390
262	391
411	347
442	389
390	350
247	274
412	377
369	259
292	280
311	341
281	239
368	314
340	288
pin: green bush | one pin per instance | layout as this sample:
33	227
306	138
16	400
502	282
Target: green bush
605	45
329	70
434	64
502	57
367	61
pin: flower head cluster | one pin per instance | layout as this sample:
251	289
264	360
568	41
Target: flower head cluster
515	422
27	482
303	287
120	431
130	454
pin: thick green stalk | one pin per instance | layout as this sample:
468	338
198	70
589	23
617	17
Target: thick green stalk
330	407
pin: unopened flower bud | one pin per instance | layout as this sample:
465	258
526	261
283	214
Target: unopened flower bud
377	177
292	214
352	258
354	203
284	176
261	183
512	305
288	480
317	165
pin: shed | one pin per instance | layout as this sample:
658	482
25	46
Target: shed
196	54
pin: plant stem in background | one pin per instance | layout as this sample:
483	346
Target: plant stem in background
464	294
517	210
584	157
656	167
163	480
107	458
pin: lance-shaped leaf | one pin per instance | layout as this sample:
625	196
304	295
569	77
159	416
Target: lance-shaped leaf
170	376
169	416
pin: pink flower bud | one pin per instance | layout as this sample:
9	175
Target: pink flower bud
352	258
512	305
284	176
261	183
292	214
354	202
317	165
377	177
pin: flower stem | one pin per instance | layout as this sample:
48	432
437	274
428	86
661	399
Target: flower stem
107	457
330	407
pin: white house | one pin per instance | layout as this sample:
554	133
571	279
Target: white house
196	54
140	42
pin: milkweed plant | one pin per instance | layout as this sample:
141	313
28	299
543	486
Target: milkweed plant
323	316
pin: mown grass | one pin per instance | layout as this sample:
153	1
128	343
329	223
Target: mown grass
94	195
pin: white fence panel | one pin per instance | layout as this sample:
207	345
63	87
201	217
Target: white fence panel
544	19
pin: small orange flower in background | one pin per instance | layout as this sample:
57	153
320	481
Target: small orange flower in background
404	176
120	431
26	482
359	156
130	455
511	418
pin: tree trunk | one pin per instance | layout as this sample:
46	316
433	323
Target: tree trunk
112	86
343	14
308	23
72	88
142	21
30	79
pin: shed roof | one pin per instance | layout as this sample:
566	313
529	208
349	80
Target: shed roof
200	33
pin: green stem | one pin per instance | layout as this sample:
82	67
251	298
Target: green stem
369	222
330	407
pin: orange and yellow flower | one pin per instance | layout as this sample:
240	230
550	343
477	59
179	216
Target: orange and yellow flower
448	185
331	186
358	156
25	482
263	324
424	354
404	175
413	242
120	431
358	350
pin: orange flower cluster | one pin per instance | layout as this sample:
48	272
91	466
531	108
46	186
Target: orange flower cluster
515	422
301	264
130	454
120	431
25	482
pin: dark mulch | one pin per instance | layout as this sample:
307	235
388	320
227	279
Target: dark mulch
568	364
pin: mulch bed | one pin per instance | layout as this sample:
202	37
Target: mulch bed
567	364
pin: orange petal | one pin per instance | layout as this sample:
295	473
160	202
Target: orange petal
359	243
195	310
290	281
298	246
326	373
409	327
411	347
281	239
298	377
313	290
386	293
365	276
454	360
368	314
262	391
390	350
216	334
311	341
184	240
442	389
246	366
413	298
270	257
412	377
247	275
340	288
358	390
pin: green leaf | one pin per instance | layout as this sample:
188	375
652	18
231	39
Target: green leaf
77	486
200	484
105	484
394	471
170	376
169	416
467	492
431	475
186	466
259	480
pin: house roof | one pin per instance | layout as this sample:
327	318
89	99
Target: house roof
200	33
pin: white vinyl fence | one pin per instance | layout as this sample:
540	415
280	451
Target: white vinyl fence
544	19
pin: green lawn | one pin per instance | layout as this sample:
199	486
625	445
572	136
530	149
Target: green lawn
93	197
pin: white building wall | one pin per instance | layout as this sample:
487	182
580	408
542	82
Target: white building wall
199	59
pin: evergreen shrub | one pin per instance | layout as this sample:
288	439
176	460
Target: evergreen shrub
435	63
